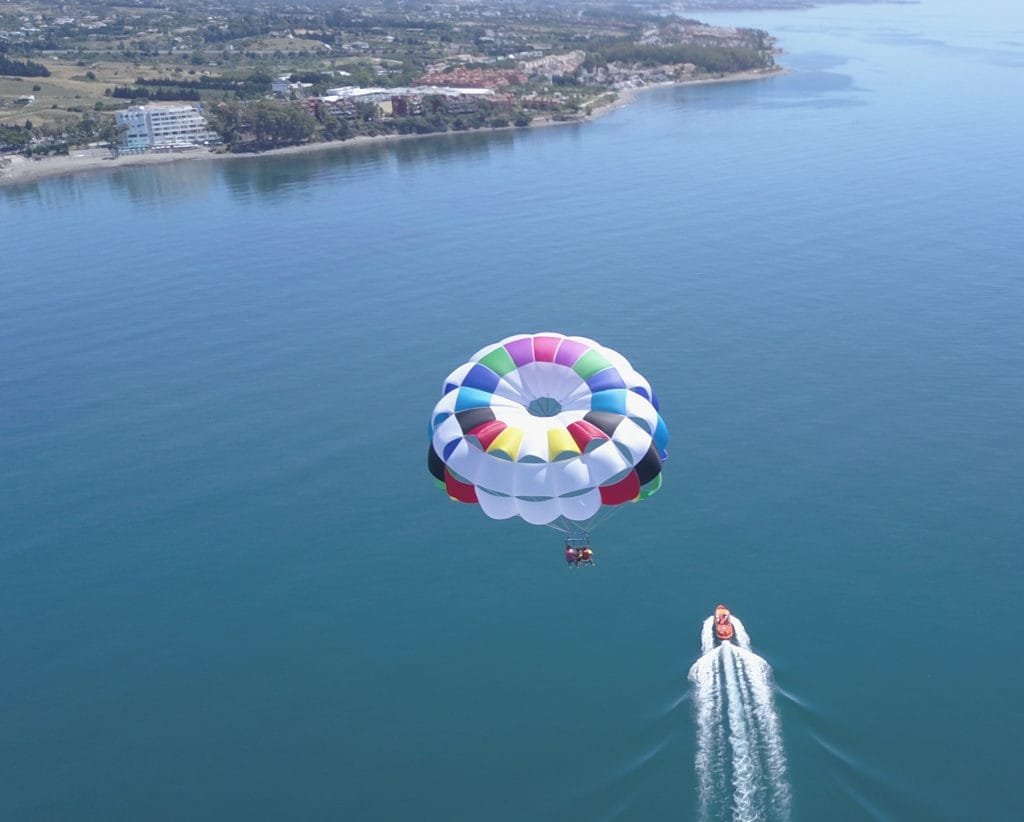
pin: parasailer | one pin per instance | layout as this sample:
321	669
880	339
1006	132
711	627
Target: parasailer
553	429
574	557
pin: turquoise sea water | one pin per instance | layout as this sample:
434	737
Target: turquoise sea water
229	589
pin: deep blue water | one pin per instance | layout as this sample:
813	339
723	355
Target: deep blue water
229	589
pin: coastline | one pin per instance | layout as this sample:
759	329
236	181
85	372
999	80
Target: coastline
16	169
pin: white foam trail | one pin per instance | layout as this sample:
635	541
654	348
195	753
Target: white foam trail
742	637
758	675
745	765
707	678
707	697
740	760
707	637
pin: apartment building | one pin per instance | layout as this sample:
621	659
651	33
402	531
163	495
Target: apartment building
156	126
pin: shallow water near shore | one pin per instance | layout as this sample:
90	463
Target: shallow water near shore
228	587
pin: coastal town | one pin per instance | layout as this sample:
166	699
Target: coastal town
150	79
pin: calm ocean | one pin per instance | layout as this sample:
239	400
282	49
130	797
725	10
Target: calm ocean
230	590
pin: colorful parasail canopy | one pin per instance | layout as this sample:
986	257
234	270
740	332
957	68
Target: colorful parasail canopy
549	428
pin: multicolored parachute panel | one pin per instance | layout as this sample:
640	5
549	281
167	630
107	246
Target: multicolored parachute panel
547	427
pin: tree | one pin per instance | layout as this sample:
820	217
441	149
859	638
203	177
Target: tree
336	129
227	120
281	124
22	68
367	112
111	133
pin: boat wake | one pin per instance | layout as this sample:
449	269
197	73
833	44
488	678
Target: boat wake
740	761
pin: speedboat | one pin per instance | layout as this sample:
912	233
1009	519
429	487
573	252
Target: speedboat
723	627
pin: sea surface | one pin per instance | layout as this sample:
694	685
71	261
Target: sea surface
230	590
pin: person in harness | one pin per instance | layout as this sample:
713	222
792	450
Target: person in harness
578	556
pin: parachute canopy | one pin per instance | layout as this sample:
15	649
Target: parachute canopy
547	427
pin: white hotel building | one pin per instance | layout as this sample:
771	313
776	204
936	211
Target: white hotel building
155	127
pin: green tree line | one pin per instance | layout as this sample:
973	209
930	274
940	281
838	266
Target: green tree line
262	125
256	83
272	124
709	58
168	88
56	138
22	68
136	93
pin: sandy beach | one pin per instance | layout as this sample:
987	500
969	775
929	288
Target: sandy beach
16	169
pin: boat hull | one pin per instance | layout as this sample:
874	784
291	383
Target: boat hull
723	629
